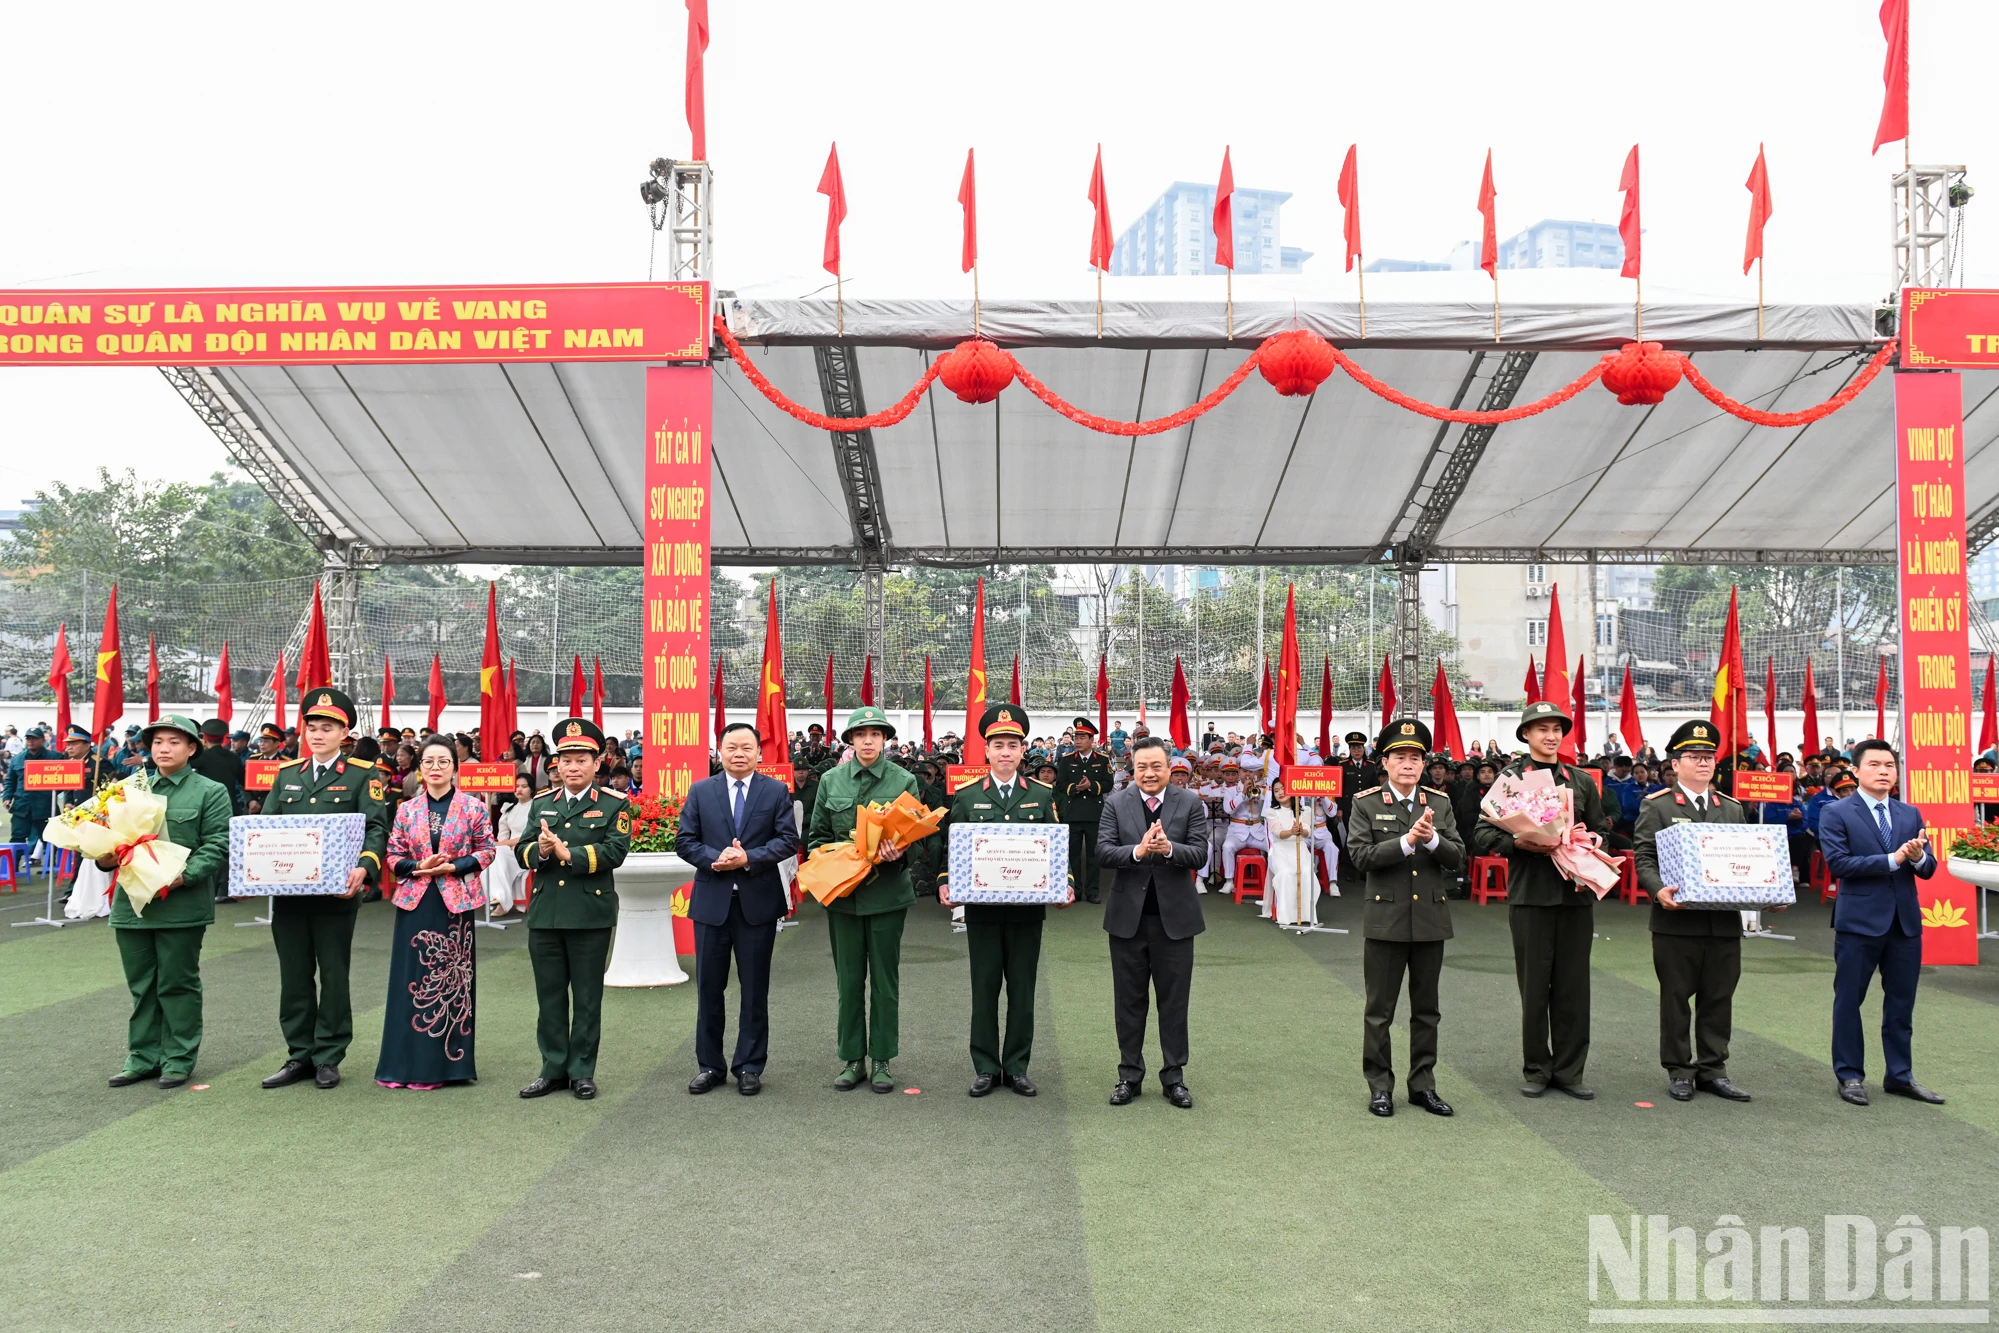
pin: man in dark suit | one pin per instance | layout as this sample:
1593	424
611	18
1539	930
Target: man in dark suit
734	829
1155	836
1873	845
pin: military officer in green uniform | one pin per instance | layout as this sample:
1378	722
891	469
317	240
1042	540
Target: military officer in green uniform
1003	940
161	948
314	933
1553	921
866	926
1082	781
1696	954
577	835
1357	773
1404	837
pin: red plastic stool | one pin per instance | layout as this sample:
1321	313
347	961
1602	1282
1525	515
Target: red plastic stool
1250	872
1820	877
1488	879
1627	881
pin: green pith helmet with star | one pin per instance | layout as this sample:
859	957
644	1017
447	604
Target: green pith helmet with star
1405	734
1695	737
1540	710
867	715
1003	720
187	726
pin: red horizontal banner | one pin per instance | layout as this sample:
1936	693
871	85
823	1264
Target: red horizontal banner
957	777
259	774
485	778
1985	787
53	775
1760	787
213	326
1956	327
1312	780
782	772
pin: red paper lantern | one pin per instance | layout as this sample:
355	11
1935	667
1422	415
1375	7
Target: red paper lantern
1642	373
1296	362
976	370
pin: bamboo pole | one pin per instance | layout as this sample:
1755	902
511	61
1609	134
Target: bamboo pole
1360	276
1100	303
975	300
839	306
1495	302
1231	303
1759	298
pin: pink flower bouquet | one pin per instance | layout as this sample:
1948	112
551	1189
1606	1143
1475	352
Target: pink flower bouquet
1531	807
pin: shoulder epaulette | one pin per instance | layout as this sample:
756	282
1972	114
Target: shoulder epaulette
545	791
287	763
1369	792
361	763
1663	791
613	791
1730	799
1434	791
1039	783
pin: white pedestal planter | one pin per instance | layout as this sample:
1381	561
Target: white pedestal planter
642	953
1985	874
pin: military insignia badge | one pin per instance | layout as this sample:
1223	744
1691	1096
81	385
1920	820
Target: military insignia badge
325	701
575	728
375	790
1408	728
624	821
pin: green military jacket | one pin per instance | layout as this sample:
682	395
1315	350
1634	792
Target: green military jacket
1663	809
583	894
979	803
198	813
1408	895
1531	878
842	789
349	786
1082	806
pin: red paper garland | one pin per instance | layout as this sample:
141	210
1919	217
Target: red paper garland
1758	417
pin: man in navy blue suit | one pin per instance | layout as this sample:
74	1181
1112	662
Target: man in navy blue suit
1874	847
734	829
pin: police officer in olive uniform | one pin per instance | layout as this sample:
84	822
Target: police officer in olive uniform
576	837
314	933
1357	773
1003	940
1082	781
1403	836
1696	954
1552	920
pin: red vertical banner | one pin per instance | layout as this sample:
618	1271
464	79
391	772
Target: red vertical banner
1936	649
678	429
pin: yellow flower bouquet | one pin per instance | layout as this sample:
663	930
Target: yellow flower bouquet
126	821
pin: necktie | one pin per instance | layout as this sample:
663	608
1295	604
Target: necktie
1881	818
1152	804
1700	805
738	813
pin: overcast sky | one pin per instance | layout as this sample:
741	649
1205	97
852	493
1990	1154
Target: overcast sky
499	142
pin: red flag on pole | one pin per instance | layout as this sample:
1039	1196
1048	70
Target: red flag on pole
1811	706
492	685
721	708
1445	738
315	662
1628	227
836	209
1103	700
1225	215
1285	745
1326	711
1627	716
107	699
1988	730
975	681
1177	725
1266	700
868	680
1488	254
597	693
1579	705
1388	700
1014	697
697	101
1555	672
152	681
1894	122
929	703
576	687
436	691
1881	702
968	199
1770	705
772	725
388	689
1729	709
278	693
829	699
225	693
1760	208
1350	201
1532	685
1100	230
59	669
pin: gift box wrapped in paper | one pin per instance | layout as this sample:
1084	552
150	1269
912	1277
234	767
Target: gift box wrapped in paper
293	855
1742	867
1009	863
837	869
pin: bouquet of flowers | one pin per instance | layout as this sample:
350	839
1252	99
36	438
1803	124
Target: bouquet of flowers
1541	814
125	820
837	869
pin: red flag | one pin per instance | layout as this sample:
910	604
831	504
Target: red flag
597	693
1014	697
1811	706
968	198
1770	705
278	693
1445	738
1881	702
1488	255
975	681
1760	208
1555	672
388	689
1177	725
1350	201
436	690
1894	123
868	680
721	708
1266	700
1285	746
836	211
1988	730
1103	699
1628	228
1326	711
59	669
492	685
1533	683
829	699
697	102
576	687
225	693
1100	230
1388	700
1728	712
1225	216
152	681
107	698
929	703
315	663
1628	724
772	724
1579	705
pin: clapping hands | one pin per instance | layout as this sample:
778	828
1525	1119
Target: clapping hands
1154	843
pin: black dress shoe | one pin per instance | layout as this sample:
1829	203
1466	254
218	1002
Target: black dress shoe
706	1081
1382	1104
326	1076
1177	1094
1914	1091
541	1087
982	1085
749	1083
290	1072
1124	1092
1725	1090
1853	1092
1680	1089
1020	1085
172	1080
1575	1090
583	1088
127	1078
1531	1089
1431	1102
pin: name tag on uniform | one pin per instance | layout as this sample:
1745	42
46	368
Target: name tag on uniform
1389	818
1030	805
593	814
338	786
981	806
